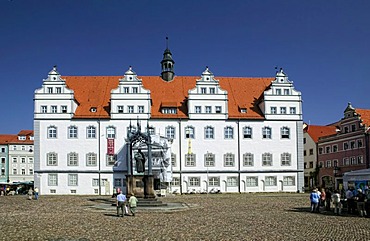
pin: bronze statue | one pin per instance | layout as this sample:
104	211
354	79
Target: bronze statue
140	161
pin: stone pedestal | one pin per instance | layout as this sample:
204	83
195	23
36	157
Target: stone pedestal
141	185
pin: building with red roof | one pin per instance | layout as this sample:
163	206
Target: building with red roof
232	134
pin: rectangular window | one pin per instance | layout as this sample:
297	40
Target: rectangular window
228	132
23	172
91	132
282	110
58	90
208	109
266	133
14	171
64	108
194	181
170	132
120	109
203	90
247	132
353	144
141	109
189	132
320	150
91	159
212	90
327	149
72	132
198	109
285	159
278	91
289	181
218	109
209	160
286	91
273	110
304	153
209	132
134	90
117	182
30	160
23	160
335	148
190	160
125	90
52	159
95	182
53	109
175	181
285	132
130	109
44	109
15	160
214	181
311	164
271	181
345	146
311	152
248	160
111	160
72	159
111	132
30	171
292	110
267	159
72	180
353	127
232	181
52	179
229	160
50	90
359	143
252	182
173	160
360	160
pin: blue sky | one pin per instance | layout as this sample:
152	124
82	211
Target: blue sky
324	46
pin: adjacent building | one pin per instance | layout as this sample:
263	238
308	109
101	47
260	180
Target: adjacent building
347	149
16	154
230	134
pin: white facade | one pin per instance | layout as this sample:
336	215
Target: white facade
210	150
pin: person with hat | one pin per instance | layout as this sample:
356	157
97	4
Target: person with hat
360	198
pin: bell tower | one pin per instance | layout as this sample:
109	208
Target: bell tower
167	64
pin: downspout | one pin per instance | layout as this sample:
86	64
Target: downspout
99	157
367	148
180	155
238	155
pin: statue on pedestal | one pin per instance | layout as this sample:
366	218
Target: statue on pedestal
140	161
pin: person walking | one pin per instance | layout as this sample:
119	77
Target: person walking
121	203
30	193
36	191
314	198
337	203
132	202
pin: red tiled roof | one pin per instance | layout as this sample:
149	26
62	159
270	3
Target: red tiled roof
315	132
7	139
364	115
25	133
94	91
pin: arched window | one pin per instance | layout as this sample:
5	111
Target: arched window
52	132
111	132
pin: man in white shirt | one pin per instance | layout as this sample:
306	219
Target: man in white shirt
121	203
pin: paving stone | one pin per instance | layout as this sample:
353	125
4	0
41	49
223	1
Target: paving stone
210	217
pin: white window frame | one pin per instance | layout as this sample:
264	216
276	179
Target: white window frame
285	132
52	179
286	159
229	160
209	160
111	132
72	159
266	132
267	159
91	159
232	181
72	179
72	132
175	181
289	181
229	132
209	132
51	159
189	132
170	132
251	182
270	181
190	160
91	132
213	181
248	160
247	132
194	181
52	132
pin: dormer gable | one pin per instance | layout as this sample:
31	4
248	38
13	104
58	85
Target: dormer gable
54	76
281	77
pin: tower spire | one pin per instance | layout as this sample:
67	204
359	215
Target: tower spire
167	64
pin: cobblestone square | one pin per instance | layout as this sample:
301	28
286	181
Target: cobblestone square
209	217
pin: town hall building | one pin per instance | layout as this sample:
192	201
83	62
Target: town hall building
227	134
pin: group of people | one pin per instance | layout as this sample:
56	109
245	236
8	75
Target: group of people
124	206
322	200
